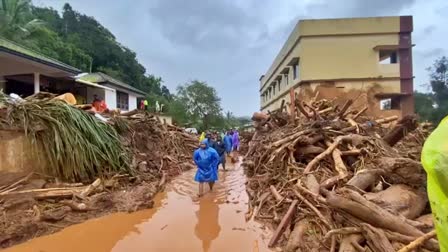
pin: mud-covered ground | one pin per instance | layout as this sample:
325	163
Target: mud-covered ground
24	217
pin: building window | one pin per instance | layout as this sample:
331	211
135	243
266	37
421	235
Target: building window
273	89
279	85
122	101
390	103
295	71
388	57
286	79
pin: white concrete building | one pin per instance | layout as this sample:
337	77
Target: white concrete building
25	72
116	94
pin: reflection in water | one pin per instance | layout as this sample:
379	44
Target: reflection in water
179	222
207	229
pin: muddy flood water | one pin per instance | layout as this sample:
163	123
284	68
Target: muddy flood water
179	221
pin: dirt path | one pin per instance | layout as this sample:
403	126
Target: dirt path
178	222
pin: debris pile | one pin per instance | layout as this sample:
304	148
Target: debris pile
331	180
131	155
245	138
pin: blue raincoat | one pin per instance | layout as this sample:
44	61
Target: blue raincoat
228	142
207	161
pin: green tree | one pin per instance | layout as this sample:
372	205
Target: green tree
439	86
201	103
16	20
424	105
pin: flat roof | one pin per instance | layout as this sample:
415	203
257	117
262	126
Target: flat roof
21	51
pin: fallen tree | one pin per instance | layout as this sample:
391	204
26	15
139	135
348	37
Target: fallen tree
355	188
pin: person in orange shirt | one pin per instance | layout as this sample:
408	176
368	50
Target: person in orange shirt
98	104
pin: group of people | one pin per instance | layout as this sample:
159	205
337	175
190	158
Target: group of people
144	105
212	151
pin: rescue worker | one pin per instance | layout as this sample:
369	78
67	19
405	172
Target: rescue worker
220	147
435	161
228	142
202	137
207	160
236	140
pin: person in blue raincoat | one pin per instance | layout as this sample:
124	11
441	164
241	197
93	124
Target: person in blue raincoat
228	142
207	160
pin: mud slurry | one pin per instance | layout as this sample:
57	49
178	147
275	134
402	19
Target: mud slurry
179	221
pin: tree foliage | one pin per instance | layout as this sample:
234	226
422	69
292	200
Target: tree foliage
200	101
433	106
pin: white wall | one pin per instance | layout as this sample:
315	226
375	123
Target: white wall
132	102
91	91
111	99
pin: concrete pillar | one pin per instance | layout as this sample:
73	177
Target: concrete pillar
2	83
36	83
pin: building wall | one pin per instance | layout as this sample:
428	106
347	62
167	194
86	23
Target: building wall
363	93
16	153
132	101
339	51
110	99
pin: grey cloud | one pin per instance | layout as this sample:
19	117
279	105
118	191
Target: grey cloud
356	8
206	25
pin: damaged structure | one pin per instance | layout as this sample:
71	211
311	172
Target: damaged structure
25	72
368	60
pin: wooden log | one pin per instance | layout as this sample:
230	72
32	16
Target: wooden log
77	207
302	110
310	149
367	124
339	163
343	231
405	125
15	184
312	184
431	244
130	113
325	110
332	181
90	188
317	197
276	194
347	105
359	113
356	205
286	221
297	235
418	242
57	194
43	191
291	137
365	178
315	210
350	243
327	152
376	239
162	180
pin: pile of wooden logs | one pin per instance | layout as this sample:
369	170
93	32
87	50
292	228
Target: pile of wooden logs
328	178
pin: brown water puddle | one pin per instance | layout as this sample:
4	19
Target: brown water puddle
178	222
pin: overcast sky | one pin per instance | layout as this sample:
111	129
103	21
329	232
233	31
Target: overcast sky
229	44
